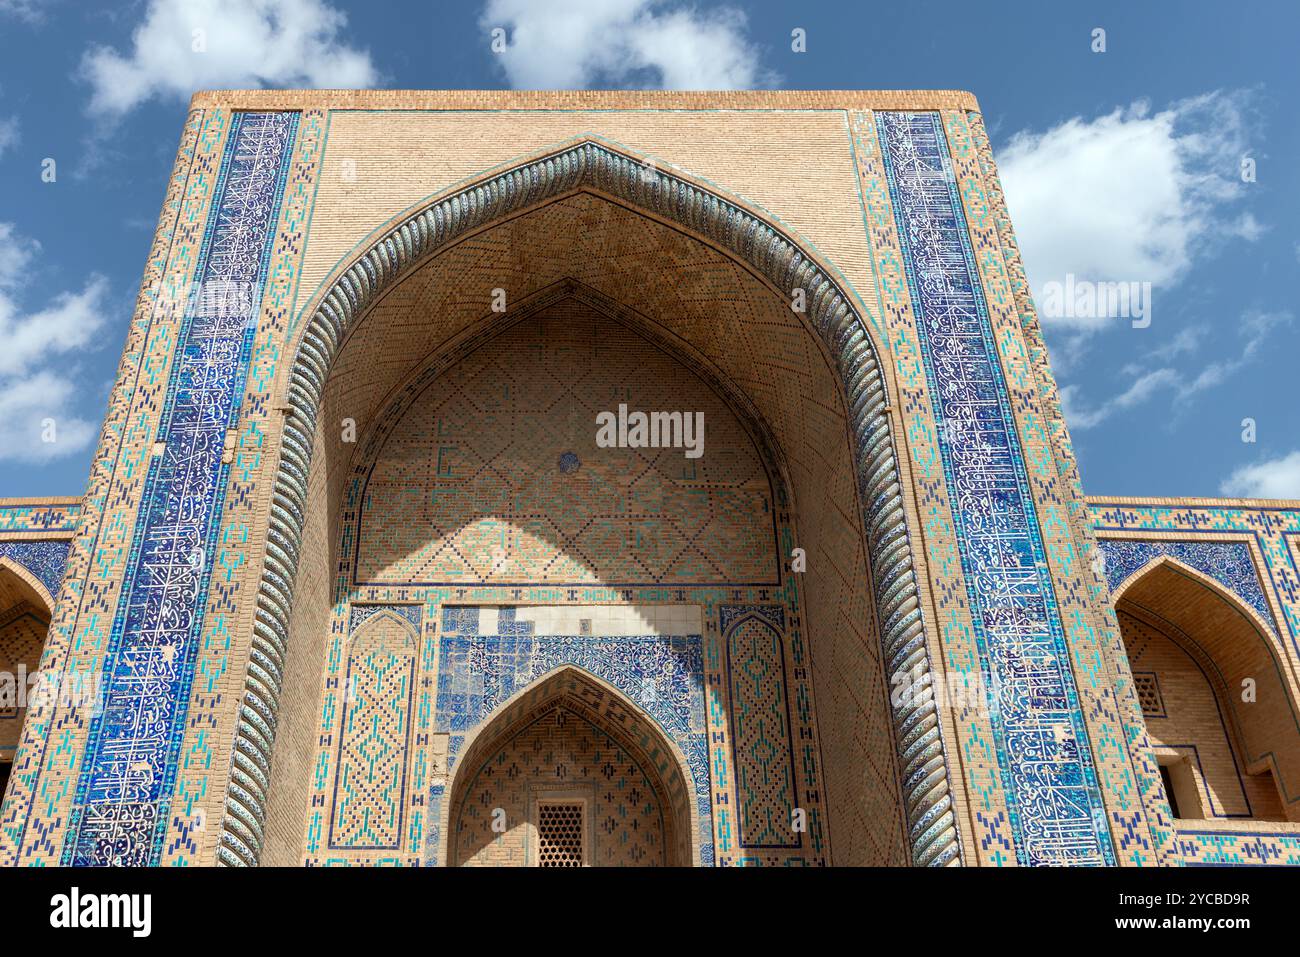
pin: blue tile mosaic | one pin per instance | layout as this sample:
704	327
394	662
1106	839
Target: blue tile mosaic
124	791
1228	563
363	613
664	675
1055	806
45	560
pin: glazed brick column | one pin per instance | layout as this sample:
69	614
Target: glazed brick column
1134	790
127	769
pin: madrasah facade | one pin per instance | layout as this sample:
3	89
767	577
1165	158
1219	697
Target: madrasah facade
374	565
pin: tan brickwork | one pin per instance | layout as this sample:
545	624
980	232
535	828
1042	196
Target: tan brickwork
797	164
1189	719
535	100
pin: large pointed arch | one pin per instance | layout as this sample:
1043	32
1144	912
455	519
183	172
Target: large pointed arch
753	240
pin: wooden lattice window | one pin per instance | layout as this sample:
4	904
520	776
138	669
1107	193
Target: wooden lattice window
560	833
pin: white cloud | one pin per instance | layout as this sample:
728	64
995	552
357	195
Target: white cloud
1185	342
1131	196
246	43
571	44
37	359
1273	478
29	10
1255	328
1144	386
8	133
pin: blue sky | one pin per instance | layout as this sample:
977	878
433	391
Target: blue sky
1120	166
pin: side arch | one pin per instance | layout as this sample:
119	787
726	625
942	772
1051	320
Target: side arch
1226	638
26	607
31	587
754	241
1213	585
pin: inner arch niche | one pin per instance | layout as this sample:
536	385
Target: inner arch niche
495	473
25	608
810	380
571	741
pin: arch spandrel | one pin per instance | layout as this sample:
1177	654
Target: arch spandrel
764	251
22	585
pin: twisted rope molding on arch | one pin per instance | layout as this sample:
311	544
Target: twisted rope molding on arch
768	251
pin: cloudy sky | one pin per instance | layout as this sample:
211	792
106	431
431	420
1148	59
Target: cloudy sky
1169	162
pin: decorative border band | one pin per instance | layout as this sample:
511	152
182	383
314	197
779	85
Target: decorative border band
1056	807
124	791
595	167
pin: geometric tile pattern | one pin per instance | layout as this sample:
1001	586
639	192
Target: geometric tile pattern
494	473
1220	848
1228	563
1055	805
374	740
58	515
125	785
760	724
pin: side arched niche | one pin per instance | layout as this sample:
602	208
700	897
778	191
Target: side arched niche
715	277
1217	702
25	609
